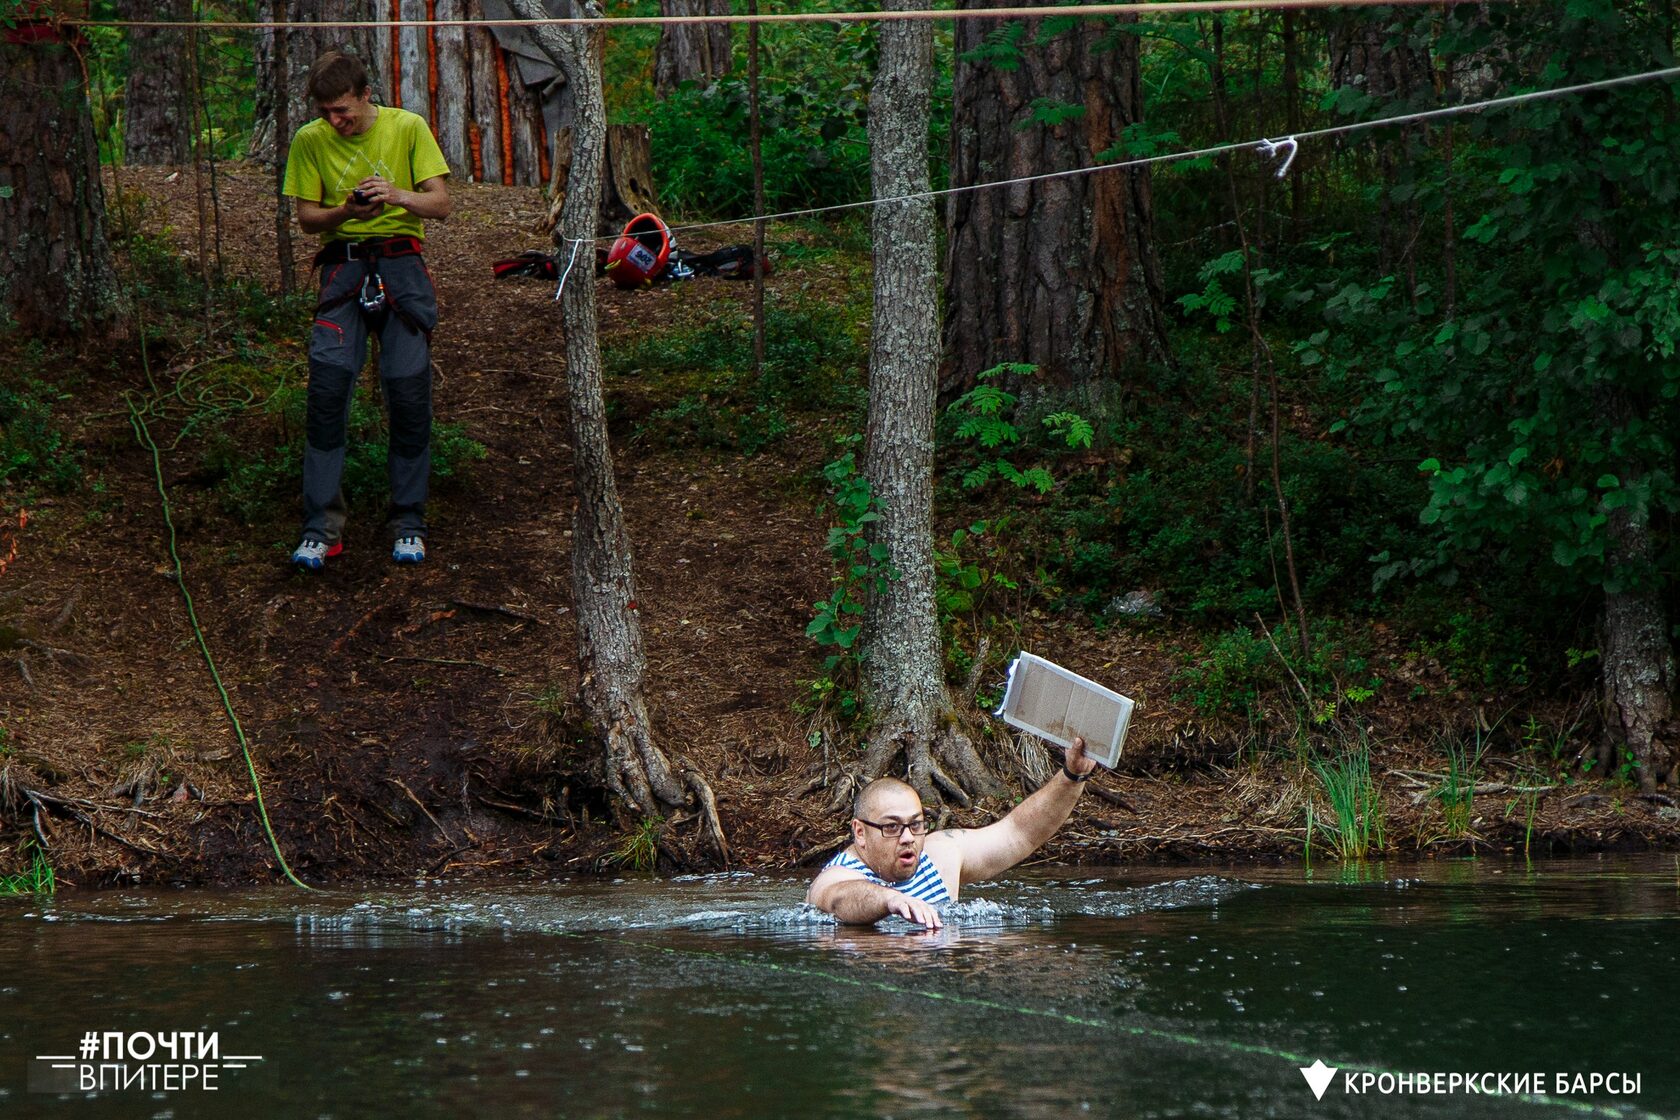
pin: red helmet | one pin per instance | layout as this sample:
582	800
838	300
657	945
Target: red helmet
640	253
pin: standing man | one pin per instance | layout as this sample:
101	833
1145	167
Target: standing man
364	176
894	867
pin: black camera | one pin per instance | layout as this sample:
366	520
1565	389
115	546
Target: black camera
359	197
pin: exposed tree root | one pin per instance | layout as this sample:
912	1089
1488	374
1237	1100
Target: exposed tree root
943	769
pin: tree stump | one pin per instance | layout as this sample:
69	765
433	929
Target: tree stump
626	179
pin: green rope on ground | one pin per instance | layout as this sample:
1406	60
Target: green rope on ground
1584	1108
143	433
208	402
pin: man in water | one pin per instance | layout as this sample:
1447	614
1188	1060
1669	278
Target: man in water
894	867
364	177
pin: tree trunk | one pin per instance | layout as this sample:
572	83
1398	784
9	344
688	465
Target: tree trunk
451	57
1060	273
1639	671
626	178
483	126
56	276
157	103
411	84
303	45
904	668
691	52
610	651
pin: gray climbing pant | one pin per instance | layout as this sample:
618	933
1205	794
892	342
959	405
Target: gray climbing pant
337	352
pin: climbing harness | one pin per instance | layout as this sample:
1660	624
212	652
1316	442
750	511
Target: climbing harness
371	296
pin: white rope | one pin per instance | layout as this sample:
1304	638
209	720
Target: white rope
1288	146
1267	148
577	243
1149	7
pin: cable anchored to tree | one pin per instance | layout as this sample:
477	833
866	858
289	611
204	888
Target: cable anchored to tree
1286	146
1151	7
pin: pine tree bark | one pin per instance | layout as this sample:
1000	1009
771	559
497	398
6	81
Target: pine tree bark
904	668
1061	273
56	277
485	115
691	52
610	649
452	102
1639	676
1639	670
157	103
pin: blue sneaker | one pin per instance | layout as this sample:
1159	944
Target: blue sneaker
314	554
409	550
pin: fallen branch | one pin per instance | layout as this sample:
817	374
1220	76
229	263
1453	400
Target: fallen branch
547	818
36	797
823	849
81	660
400	784
1113	799
1281	658
487	608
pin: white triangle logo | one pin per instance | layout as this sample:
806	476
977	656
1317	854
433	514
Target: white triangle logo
1318	1076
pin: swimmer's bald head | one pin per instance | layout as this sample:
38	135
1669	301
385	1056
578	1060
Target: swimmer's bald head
867	804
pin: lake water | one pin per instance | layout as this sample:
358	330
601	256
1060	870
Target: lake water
1060	992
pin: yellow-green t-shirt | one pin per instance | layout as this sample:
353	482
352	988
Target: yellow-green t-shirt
325	167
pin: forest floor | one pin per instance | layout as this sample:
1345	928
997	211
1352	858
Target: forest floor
418	721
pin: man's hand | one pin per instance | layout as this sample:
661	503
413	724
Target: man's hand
1076	760
914	910
379	194
856	901
362	211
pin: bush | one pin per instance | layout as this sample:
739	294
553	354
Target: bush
32	448
812	359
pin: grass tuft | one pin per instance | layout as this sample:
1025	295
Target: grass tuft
1354	828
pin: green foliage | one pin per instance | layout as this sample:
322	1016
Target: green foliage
35	879
1213	300
1354	828
1047	112
974	593
225	98
812	359
1543	403
813	104
33	449
861	569
984	417
1240	673
1001	47
638	849
1457	791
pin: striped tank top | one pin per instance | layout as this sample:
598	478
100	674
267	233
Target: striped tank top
926	884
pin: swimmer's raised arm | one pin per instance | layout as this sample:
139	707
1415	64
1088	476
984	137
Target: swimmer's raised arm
996	848
856	901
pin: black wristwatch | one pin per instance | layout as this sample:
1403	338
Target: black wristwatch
1072	777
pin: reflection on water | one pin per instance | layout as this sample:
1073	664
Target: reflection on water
1125	994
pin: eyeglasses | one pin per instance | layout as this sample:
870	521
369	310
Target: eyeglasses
892	829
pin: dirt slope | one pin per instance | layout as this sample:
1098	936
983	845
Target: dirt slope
415	721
